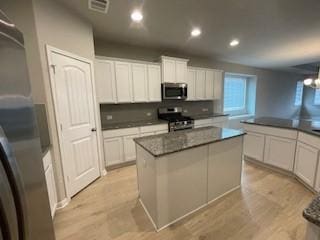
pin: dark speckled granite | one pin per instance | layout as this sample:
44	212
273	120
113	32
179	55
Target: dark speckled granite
162	144
312	212
307	126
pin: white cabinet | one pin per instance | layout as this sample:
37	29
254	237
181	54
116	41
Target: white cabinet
154	83
191	81
113	150
174	70
209	84
123	82
218	84
211	122
139	82
306	162
253	145
280	152
201	85
129	148
50	181
105	81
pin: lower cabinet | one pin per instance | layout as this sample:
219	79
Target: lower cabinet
129	148
280	152
253	146
113	150
50	181
306	163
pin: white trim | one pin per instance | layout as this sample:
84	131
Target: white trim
50	50
104	58
63	203
189	213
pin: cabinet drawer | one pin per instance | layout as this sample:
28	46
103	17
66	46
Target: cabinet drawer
154	128
120	132
279	132
309	139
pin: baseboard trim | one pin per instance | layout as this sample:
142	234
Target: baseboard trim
186	215
63	203
103	172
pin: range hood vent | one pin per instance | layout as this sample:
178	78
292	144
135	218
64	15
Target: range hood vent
99	5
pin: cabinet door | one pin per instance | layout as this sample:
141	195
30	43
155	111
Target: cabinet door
306	163
181	71
191	81
253	146
209	84
201	85
51	186
218	85
113	150
129	148
105	81
123	81
154	83
168	70
280	152
139	82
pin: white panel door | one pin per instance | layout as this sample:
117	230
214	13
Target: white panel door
123	82
154	83
168	70
76	110
191	81
201	85
209	84
280	152
139	81
113	150
181	71
253	145
306	163
105	81
218	85
129	148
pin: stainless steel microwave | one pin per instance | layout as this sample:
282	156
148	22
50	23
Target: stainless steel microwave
174	91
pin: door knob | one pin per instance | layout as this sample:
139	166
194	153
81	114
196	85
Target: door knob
93	129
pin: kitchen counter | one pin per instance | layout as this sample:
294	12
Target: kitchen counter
306	126
312	212
133	124
209	115
163	144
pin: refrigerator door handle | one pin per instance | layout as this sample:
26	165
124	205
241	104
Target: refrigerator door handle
13	197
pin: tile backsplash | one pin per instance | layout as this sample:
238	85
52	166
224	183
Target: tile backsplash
121	113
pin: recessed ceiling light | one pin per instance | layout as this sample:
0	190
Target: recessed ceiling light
195	32
234	42
136	16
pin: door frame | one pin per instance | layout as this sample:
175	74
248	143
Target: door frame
49	51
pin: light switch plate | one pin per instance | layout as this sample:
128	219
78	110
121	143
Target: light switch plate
205	109
148	114
109	117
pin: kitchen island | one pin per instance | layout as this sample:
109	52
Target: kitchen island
181	172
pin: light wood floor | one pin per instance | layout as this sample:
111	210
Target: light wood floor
268	207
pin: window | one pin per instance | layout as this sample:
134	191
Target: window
239	94
299	94
317	97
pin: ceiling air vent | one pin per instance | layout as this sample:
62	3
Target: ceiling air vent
99	5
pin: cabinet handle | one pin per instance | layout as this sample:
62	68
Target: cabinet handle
93	129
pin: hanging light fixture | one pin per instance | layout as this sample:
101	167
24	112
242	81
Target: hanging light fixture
314	83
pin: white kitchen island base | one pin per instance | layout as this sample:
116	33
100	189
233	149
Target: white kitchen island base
174	185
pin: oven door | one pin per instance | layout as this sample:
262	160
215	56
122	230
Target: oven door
174	91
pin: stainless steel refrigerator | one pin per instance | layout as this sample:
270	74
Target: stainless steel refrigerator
24	204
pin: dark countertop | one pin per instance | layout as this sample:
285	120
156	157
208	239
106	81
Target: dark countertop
162	144
312	212
133	124
303	125
209	115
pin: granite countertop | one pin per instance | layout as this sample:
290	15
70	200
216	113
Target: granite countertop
162	144
208	115
304	125
133	124
312	212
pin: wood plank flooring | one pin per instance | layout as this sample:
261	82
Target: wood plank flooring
268	207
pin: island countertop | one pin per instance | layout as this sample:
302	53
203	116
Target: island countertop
162	144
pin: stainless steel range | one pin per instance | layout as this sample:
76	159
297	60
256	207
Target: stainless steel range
176	121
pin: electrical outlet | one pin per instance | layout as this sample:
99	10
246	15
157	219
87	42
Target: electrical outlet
109	117
149	114
205	109
185	110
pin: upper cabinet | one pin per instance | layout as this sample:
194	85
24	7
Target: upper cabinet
174	70
191	81
121	81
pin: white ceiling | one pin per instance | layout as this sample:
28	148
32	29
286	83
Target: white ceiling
272	33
